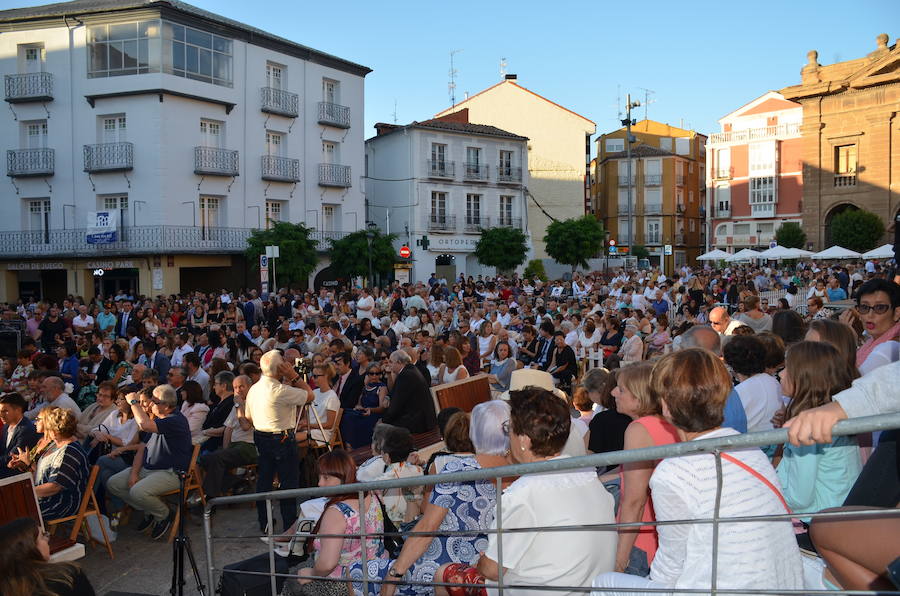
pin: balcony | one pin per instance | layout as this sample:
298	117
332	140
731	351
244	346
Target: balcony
132	240
476	172
723	174
22	163
441	169
509	175
439	222
626	180
844	180
108	157
211	161
756	134
679	179
723	213
476	223
280	169
323	238
652	179
652	208
509	222
33	86
679	238
679	208
334	175
332	114
277	101
652	239
623	208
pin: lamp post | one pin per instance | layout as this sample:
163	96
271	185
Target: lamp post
629	139
371	230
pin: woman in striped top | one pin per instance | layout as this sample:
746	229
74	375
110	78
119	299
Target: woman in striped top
62	473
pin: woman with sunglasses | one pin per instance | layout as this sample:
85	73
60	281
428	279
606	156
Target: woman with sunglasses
323	409
358	424
878	308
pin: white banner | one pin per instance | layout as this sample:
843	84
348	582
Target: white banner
102	227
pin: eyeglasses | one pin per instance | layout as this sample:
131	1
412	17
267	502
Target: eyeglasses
315	376
374	372
879	309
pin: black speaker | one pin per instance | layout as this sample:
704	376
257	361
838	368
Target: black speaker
10	342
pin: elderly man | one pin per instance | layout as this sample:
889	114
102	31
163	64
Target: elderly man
157	464
237	444
272	410
214	425
176	378
411	404
722	322
196	373
53	389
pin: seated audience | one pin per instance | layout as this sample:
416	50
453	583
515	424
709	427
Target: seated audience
18	432
61	473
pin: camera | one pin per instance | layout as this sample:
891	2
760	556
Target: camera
303	366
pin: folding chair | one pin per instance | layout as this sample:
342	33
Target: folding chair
336	442
192	482
88	507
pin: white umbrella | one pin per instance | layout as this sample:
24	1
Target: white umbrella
743	255
775	253
882	252
796	253
714	255
836	253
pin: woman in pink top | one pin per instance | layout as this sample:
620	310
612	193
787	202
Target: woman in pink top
637	548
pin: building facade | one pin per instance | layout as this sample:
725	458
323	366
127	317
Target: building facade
558	149
437	184
666	186
754	173
850	136
145	140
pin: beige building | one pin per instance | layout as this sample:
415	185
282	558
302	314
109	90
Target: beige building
851	137
558	150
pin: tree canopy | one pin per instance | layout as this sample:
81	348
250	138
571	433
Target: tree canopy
857	229
574	241
640	251
350	254
297	250
790	235
504	248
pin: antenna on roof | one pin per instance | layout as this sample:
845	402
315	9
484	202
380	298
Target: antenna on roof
618	101
647	100
395	111
502	68
451	86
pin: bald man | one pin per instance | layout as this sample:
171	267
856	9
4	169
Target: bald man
722	322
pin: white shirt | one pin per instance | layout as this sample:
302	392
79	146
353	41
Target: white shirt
883	354
238	434
761	398
63	401
83	322
178	354
323	403
272	405
203	379
124	431
365	303
570	498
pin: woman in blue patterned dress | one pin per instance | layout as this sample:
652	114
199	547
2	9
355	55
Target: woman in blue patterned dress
61	475
454	506
358	424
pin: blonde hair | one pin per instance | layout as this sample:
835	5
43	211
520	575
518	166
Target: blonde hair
60	421
452	357
636	379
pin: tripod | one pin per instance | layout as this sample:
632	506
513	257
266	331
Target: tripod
181	545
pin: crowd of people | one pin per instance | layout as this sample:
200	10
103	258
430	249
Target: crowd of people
594	364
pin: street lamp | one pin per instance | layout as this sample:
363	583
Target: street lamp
371	230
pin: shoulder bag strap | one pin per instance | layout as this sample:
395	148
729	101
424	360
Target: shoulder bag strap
759	477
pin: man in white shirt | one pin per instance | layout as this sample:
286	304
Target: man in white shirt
722	322
53	390
196	373
503	314
182	347
83	322
237	449
297	323
365	306
225	297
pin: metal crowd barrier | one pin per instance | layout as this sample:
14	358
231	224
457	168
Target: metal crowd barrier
713	446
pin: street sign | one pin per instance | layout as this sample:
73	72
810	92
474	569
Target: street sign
613	249
405	252
667	249
264	274
773	244
263	262
624	250
612	242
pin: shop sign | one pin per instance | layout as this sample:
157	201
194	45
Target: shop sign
110	265
37	266
453	243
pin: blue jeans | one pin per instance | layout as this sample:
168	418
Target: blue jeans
279	455
637	563
109	467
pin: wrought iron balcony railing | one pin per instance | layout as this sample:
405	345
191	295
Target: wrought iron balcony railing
723	173
441	168
509	174
652	179
679	238
652	239
723	213
626	180
439	222
476	223
21	163
211	161
109	157
334	114
32	86
476	171
509	222
280	169
331	174
277	101
652	208
679	179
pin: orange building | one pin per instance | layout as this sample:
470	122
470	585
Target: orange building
755	173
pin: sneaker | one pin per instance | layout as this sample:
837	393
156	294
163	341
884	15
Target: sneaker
160	528
145	523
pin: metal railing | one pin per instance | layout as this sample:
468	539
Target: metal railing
652	179
212	161
714	446
441	223
723	173
509	222
652	208
332	174
476	171
652	239
32	86
280	169
441	168
626	180
21	163
755	134
278	101
109	157
723	213
509	174
475	223
842	180
679	238
334	114
679	179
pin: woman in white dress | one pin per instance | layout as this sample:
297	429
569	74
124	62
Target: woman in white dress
435	360
452	369
487	341
323	409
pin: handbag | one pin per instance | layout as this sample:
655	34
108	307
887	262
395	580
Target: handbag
393	542
799	526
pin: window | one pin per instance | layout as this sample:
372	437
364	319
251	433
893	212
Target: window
330	91
123	49
765	228
622	204
723	165
196	54
328	218
211	134
274	143
113	129
762	159
31	58
473	210
208	216
624	232
438	206
693	225
615	145
35	133
274	75
506	210
722	230
665	143
329	152
742	229
473	157
723	200
438	156
691	197
683	146
653	200
653	231
39	219
116	203
506	162
845	160
273	212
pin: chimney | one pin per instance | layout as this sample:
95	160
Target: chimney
382	128
511	77
460	116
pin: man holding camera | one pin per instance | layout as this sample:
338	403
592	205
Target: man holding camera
272	410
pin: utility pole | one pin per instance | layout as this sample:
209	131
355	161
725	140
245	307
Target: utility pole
628	140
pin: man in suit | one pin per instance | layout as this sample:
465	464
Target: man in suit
98	371
153	358
18	431
411	404
348	384
125	319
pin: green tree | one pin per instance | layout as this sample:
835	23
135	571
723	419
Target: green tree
297	250
857	230
790	235
535	269
504	248
640	251
350	255
574	241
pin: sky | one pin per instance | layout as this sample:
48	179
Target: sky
701	59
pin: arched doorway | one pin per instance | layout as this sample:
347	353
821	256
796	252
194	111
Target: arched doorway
445	267
836	210
327	278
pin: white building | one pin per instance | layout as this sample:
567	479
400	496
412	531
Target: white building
437	184
189	128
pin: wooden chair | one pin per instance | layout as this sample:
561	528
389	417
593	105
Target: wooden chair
336	441
88	507
192	482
